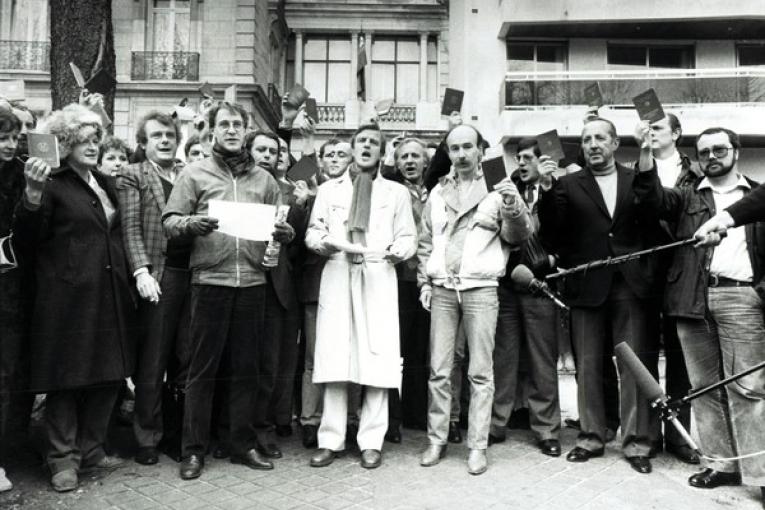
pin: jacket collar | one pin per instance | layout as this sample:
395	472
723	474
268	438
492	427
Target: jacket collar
586	179
451	195
742	183
155	184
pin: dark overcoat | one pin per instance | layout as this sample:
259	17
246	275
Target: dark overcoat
82	320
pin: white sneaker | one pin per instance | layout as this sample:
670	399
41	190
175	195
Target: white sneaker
5	484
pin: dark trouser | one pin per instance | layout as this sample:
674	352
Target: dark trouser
226	319
411	408
677	381
164	332
15	398
76	422
277	359
533	321
623	317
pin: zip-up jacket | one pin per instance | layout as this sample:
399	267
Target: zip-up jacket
466	245
216	258
688	276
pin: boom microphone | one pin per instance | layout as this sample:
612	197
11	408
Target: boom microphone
651	389
523	276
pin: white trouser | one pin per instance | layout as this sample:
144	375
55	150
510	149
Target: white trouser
373	422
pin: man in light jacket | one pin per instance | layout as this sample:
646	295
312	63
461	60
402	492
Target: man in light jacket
363	223
465	239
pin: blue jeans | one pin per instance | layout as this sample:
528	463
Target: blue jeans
730	340
478	313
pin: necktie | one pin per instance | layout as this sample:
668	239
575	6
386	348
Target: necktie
530	194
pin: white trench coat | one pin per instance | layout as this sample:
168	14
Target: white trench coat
357	335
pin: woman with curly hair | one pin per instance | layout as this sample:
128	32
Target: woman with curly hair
81	351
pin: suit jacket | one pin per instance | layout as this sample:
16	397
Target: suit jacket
575	226
141	202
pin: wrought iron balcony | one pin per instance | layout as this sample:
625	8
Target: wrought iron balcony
25	55
399	114
164	65
676	86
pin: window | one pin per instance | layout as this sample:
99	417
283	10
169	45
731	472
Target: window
751	54
326	67
536	56
432	70
622	56
170	25
396	69
29	20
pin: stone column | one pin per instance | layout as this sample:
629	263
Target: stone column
368	70
354	65
299	57
423	67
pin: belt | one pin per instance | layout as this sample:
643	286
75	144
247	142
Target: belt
721	281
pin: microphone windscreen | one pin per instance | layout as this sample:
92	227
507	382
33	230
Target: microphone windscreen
645	381
522	275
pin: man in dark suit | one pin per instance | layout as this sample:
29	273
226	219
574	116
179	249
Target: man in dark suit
161	272
591	215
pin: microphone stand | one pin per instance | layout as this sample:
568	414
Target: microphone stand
610	261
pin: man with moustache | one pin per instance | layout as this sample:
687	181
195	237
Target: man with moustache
592	215
715	296
228	283
409	407
335	157
363	224
465	239
162	278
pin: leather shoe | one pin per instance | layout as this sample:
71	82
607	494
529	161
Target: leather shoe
477	462
393	435
252	459
709	479
269	450
221	451
64	481
683	453
640	463
147	456
371	459
550	447
496	439
105	462
191	467
310	436
579	454
324	457
432	455
455	436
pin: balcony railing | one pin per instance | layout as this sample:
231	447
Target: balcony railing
333	114
399	114
692	86
164	65
25	55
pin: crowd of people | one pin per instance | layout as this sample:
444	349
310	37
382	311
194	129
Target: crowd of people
394	271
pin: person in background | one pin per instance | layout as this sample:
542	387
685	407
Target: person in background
113	156
409	407
194	149
81	330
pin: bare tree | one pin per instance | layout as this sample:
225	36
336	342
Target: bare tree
80	32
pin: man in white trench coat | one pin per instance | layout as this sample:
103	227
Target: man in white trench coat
363	223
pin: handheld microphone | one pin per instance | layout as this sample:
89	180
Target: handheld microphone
651	389
523	276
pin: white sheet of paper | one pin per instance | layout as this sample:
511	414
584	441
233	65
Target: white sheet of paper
246	221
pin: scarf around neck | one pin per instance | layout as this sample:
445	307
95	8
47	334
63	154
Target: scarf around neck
238	162
358	216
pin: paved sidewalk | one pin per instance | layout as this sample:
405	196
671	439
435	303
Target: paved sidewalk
518	478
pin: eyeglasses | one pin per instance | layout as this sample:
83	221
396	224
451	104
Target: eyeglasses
524	157
719	152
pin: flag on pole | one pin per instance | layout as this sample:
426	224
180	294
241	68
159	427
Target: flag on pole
361	86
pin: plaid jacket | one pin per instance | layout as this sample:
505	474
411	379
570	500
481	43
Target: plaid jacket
142	200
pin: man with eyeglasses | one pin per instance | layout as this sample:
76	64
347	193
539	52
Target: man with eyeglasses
228	284
715	296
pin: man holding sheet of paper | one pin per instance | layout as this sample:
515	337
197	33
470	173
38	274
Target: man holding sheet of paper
228	282
363	223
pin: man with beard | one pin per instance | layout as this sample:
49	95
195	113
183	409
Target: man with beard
715	295
228	284
589	215
335	157
161	271
363	224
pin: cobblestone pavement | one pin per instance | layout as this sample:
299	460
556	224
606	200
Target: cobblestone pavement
519	477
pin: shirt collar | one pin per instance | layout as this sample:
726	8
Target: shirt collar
451	177
742	183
